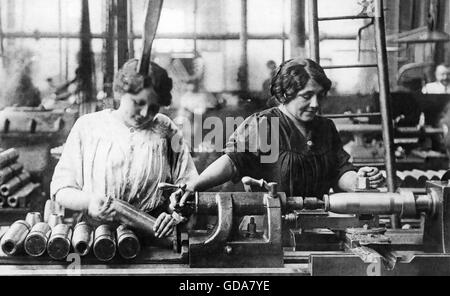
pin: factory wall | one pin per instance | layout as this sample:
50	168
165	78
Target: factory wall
222	57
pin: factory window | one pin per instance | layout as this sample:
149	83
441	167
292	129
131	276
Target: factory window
210	27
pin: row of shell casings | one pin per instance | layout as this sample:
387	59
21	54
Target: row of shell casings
57	240
416	178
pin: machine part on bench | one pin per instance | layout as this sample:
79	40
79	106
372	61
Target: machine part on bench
12	241
127	242
104	243
249	203
222	249
82	238
362	237
37	239
58	247
251	228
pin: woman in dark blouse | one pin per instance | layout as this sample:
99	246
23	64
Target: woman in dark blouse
309	158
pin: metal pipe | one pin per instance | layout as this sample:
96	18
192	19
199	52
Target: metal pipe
404	204
82	238
243	68
130	29
152	15
353	115
359	38
108	49
314	41
330	67
251	203
8	156
127	242
36	241
14	184
122	32
344	17
298	29
86	64
104	243
10	171
12	241
132	217
385	108
283	31
18	199
378	127
183	36
58	247
195	15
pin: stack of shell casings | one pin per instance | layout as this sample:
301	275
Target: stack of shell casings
416	178
34	237
15	184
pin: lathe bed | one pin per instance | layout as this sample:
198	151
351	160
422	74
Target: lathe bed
341	235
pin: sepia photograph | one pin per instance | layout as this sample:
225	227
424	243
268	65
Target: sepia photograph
239	139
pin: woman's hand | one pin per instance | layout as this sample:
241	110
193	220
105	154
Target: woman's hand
178	198
373	174
164	225
96	208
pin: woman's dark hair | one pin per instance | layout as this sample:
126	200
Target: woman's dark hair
293	75
128	80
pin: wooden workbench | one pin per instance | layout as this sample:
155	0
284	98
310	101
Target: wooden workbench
148	269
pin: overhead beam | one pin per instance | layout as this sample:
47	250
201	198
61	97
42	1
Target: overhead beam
200	36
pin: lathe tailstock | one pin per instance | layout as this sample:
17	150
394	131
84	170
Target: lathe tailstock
296	229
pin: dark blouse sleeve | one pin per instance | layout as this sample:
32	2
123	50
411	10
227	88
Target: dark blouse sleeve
243	149
343	158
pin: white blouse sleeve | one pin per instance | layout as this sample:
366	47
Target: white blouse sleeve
69	170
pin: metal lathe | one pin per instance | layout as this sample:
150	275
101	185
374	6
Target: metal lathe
257	233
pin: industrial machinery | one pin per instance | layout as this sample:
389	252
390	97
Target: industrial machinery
341	234
342	230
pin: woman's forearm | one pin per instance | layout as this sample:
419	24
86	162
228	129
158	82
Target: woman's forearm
348	181
219	172
73	199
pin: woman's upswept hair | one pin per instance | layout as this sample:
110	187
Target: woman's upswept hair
293	75
128	80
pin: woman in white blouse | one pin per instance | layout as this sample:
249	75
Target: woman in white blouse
125	153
